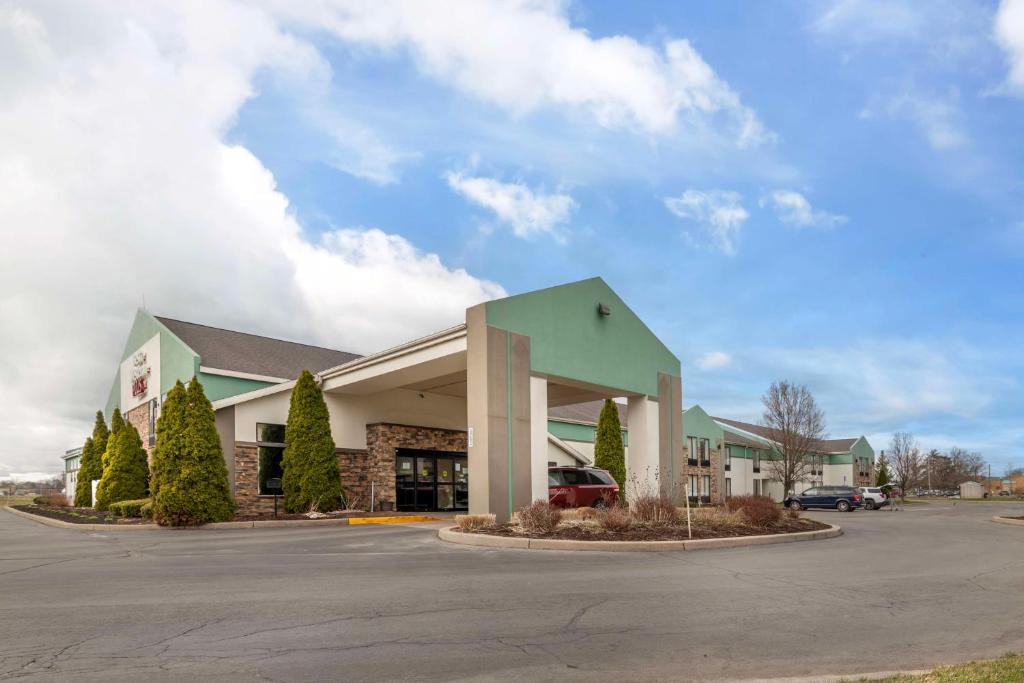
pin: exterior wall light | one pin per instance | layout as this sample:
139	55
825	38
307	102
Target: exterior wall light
602	309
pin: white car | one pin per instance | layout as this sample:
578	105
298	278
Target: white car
873	497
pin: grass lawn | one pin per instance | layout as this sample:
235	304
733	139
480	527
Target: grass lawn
16	500
1007	669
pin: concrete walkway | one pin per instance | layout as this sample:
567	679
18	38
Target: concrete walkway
900	590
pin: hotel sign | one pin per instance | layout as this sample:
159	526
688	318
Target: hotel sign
140	375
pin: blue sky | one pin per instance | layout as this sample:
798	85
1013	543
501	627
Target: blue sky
827	192
905	313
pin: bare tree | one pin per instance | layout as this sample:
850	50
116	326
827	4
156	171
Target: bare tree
796	426
904	460
965	465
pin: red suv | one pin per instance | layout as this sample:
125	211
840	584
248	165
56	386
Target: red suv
580	487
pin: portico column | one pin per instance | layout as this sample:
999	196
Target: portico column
642	457
539	437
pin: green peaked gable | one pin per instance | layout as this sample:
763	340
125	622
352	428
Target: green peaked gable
698	423
569	338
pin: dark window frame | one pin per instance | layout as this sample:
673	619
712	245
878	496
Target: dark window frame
260	445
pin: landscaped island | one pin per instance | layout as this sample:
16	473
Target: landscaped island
646	518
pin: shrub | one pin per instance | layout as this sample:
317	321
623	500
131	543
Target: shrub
57	500
90	465
609	451
616	519
311	479
793	514
191	479
129	508
126	471
40	500
760	511
539	517
717	517
654	508
146	511
474	522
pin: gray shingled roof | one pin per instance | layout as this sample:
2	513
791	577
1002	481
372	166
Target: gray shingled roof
824	446
243	352
584	412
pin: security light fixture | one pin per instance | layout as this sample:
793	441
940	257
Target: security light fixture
602	309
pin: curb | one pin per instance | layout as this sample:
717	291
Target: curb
251	524
1008	520
451	535
60	524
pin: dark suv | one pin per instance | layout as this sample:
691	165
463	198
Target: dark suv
580	487
842	498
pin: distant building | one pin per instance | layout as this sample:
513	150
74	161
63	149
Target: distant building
72	461
972	489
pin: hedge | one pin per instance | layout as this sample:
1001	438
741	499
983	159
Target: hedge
132	508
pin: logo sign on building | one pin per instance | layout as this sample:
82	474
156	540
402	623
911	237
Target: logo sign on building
140	375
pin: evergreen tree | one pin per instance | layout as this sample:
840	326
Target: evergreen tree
90	465
609	451
126	474
882	477
311	478
192	483
170	430
116	425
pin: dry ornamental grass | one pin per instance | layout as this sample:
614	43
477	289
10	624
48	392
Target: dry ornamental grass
474	522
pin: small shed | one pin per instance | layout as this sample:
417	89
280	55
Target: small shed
972	489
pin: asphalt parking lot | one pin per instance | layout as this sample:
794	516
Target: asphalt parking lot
934	584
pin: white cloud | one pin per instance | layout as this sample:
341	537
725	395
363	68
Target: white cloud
938	118
794	209
525	55
884	381
119	188
1009	30
529	213
714	360
719	212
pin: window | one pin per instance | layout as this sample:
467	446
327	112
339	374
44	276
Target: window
728	458
705	486
757	461
692	450
757	487
601	478
270	443
728	487
554	478
693	486
574	477
705	452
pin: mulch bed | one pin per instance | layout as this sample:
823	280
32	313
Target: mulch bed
78	515
338	514
578	532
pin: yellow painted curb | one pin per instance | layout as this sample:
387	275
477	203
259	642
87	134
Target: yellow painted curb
392	520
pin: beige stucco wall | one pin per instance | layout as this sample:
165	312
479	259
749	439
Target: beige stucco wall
350	414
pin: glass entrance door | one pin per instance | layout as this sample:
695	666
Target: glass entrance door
431	480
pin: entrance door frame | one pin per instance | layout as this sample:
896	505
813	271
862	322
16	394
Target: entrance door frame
433	455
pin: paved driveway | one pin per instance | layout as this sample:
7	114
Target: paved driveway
933	584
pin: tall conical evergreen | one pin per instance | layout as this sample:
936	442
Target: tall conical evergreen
882	478
126	475
609	451
116	425
90	465
311	478
192	477
170	433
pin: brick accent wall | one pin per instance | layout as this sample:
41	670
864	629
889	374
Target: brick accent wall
717	454
382	442
358	468
138	417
